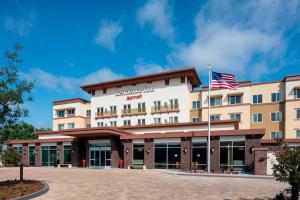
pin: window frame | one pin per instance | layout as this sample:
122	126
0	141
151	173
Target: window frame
276	116
276	133
257	117
257	100
276	96
235	99
214	100
196	105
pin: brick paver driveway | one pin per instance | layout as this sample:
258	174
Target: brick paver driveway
149	184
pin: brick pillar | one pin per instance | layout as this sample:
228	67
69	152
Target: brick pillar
260	161
87	152
185	153
149	154
127	155
215	156
250	144
60	152
75	155
115	152
25	155
38	155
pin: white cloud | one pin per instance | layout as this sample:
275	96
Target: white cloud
65	84
20	25
148	68
107	34
157	14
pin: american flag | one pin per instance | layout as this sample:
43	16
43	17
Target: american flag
223	80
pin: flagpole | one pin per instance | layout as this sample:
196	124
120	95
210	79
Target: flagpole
208	137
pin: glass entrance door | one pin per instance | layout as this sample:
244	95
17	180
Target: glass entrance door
100	157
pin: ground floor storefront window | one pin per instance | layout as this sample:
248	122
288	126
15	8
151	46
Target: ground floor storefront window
100	153
67	154
232	155
199	153
48	155
31	155
167	154
138	154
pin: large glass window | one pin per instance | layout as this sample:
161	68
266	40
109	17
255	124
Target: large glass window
157	120
215	117
141	107
297	93
138	154
174	103
61	113
216	101
71	125
61	126
167	155
257	98
236	99
31	155
276	116
48	155
67	154
196	119
235	116
141	122
88	113
18	149
276	97
199	155
232	155
196	104
257	117
71	112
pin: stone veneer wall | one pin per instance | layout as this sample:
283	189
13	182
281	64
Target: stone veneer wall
128	155
186	156
149	157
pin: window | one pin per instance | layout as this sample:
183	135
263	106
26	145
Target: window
113	109
196	104
71	112
276	116
48	155
126	122
157	105
61	126
174	103
100	124
138	154
18	149
298	113
276	134
61	113
167	155
88	125
232	155
215	117
298	134
237	99
88	113
173	119
196	119
257	117
127	108
257	98
141	122
67	154
276	97
157	120
113	123
71	125
31	155
199	155
141	107
297	93
100	110
216	101
235	116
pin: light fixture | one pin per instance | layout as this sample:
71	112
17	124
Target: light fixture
185	150
127	150
148	150
36	151
58	151
212	150
251	149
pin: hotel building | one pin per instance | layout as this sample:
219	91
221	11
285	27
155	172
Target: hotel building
160	121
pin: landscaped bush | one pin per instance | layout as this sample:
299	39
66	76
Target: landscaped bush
11	158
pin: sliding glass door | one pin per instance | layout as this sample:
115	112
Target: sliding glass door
48	155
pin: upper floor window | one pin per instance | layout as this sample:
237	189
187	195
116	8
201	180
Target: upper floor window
113	109
216	101
113	123
257	117
235	116
61	126
157	105
142	107
127	122
196	119
298	133
61	113
100	110
196	104
276	97
88	113
236	99
100	124
173	119
174	103
71	112
298	113
157	120
88	125
215	117
141	121
276	116
276	134
71	125
257	98
297	93
127	108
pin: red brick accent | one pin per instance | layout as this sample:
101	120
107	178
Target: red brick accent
185	155
250	144
115	154
75	155
60	152
260	160
127	155
215	156
149	157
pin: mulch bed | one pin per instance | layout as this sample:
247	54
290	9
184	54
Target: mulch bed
15	188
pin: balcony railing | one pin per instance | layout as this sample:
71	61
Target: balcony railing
108	114
165	109
135	111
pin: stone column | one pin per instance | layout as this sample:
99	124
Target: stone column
25	155
75	155
60	152
149	154
185	153
38	155
128	154
215	155
260	161
115	150
250	143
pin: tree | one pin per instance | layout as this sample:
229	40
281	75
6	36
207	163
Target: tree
11	158
288	169
14	92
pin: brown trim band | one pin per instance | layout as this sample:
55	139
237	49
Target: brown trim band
67	101
224	106
60	118
41	141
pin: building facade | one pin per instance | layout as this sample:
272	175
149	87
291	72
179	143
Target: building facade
160	121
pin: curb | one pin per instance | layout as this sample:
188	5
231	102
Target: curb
35	194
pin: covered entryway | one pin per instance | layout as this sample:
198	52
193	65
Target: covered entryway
100	153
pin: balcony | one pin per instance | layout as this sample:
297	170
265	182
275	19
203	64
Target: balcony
165	109
133	112
107	114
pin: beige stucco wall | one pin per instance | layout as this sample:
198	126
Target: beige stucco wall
195	113
267	89
292	124
80	122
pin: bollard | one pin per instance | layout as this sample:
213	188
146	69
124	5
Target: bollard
21	172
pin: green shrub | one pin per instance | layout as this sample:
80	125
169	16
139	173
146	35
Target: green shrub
11	158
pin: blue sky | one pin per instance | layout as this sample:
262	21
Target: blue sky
69	43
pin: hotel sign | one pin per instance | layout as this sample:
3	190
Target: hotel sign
135	91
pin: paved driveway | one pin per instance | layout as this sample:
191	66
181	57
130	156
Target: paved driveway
137	184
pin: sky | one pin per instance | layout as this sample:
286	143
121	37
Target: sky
71	43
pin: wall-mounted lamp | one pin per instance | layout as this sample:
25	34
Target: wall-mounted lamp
36	151
127	150
251	150
58	151
185	150
212	150
148	150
